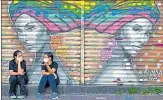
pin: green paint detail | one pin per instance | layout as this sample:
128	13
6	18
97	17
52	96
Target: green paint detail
69	45
93	71
82	46
70	33
4	10
145	91
3	59
133	90
82	58
158	90
82	71
94	45
70	58
141	59
30	3
3	46
4	34
14	46
158	54
94	58
119	92
95	34
3	22
151	90
14	33
75	10
81	81
152	60
153	47
51	16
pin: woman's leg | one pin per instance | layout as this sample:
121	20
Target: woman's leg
52	82
21	82
42	83
12	91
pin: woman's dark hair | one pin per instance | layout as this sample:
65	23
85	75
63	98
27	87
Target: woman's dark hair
16	53
49	55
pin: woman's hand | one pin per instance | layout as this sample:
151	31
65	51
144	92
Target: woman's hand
20	73
47	73
46	64
55	76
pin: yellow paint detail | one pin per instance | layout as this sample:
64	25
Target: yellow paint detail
119	1
153	4
65	6
139	4
93	4
72	7
16	1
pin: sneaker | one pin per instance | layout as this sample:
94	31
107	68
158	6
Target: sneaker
21	97
54	96
13	97
39	96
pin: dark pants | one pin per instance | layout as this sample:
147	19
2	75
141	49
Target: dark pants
14	81
44	80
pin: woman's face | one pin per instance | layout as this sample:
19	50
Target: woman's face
46	58
19	55
135	34
30	32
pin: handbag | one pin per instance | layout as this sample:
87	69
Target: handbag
26	79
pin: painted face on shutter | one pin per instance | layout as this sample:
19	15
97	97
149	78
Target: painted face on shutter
135	35
30	32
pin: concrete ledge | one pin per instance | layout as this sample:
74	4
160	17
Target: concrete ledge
96	97
74	89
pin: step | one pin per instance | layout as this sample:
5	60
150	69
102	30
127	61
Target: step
96	97
76	89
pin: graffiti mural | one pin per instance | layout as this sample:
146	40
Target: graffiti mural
105	42
131	27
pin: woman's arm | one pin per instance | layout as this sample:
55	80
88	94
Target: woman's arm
44	73
51	71
13	73
20	70
11	69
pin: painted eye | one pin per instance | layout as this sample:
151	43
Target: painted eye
148	33
29	28
19	33
137	28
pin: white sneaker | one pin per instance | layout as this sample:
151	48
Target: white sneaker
21	97
13	97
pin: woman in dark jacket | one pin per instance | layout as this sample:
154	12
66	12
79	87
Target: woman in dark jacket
50	76
17	71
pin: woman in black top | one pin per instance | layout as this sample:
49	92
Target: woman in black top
50	76
17	69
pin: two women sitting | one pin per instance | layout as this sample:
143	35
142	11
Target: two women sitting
18	76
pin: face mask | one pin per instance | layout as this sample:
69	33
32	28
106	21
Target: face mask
20	59
46	60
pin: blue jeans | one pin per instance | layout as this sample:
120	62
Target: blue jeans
47	78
